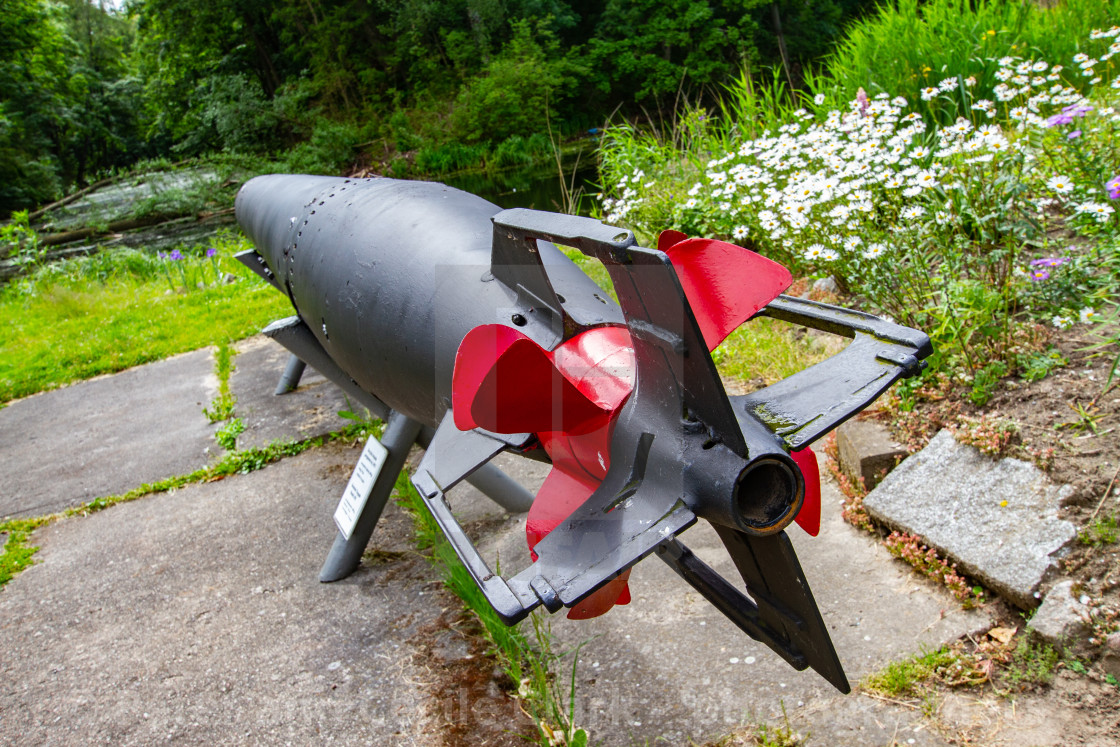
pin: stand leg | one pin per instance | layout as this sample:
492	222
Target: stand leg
293	372
345	555
501	488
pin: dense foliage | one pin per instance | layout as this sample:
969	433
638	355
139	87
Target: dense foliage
86	88
980	207
69	104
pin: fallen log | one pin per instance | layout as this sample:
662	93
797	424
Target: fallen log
127	224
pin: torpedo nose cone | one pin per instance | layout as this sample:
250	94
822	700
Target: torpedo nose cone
270	210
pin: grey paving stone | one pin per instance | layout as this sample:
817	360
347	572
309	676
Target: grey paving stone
107	435
867	450
197	617
1061	616
998	520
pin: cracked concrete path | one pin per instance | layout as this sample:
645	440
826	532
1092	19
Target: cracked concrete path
197	616
108	435
669	666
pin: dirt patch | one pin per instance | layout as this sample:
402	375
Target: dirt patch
471	699
1069	425
1075	710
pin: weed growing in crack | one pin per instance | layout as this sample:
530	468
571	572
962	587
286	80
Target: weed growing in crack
221	408
1031	665
528	663
1102	531
926	561
17	553
907	677
228	433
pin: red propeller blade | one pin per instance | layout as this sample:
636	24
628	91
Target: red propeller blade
725	284
560	495
809	517
506	383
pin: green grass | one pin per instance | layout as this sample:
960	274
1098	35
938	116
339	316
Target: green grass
906	677
82	318
766	350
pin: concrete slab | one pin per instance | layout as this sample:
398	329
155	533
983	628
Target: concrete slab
867	450
669	667
311	410
1061	617
197	617
106	435
998	520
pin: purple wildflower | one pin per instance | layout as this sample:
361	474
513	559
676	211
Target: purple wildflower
1074	135
211	252
1077	110
1113	187
1049	261
1058	119
861	99
1039	275
176	255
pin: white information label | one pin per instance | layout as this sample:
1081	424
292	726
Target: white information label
361	484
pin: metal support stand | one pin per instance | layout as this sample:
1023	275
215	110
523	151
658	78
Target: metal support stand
501	488
293	372
346	554
400	433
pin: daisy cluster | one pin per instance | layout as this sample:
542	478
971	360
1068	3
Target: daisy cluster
616	209
810	181
860	184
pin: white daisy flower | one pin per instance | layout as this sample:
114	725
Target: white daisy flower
1060	184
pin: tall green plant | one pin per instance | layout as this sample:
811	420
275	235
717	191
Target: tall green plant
908	46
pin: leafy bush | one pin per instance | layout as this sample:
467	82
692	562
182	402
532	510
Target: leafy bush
912	45
516	90
330	150
932	226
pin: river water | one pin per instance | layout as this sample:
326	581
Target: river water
537	187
